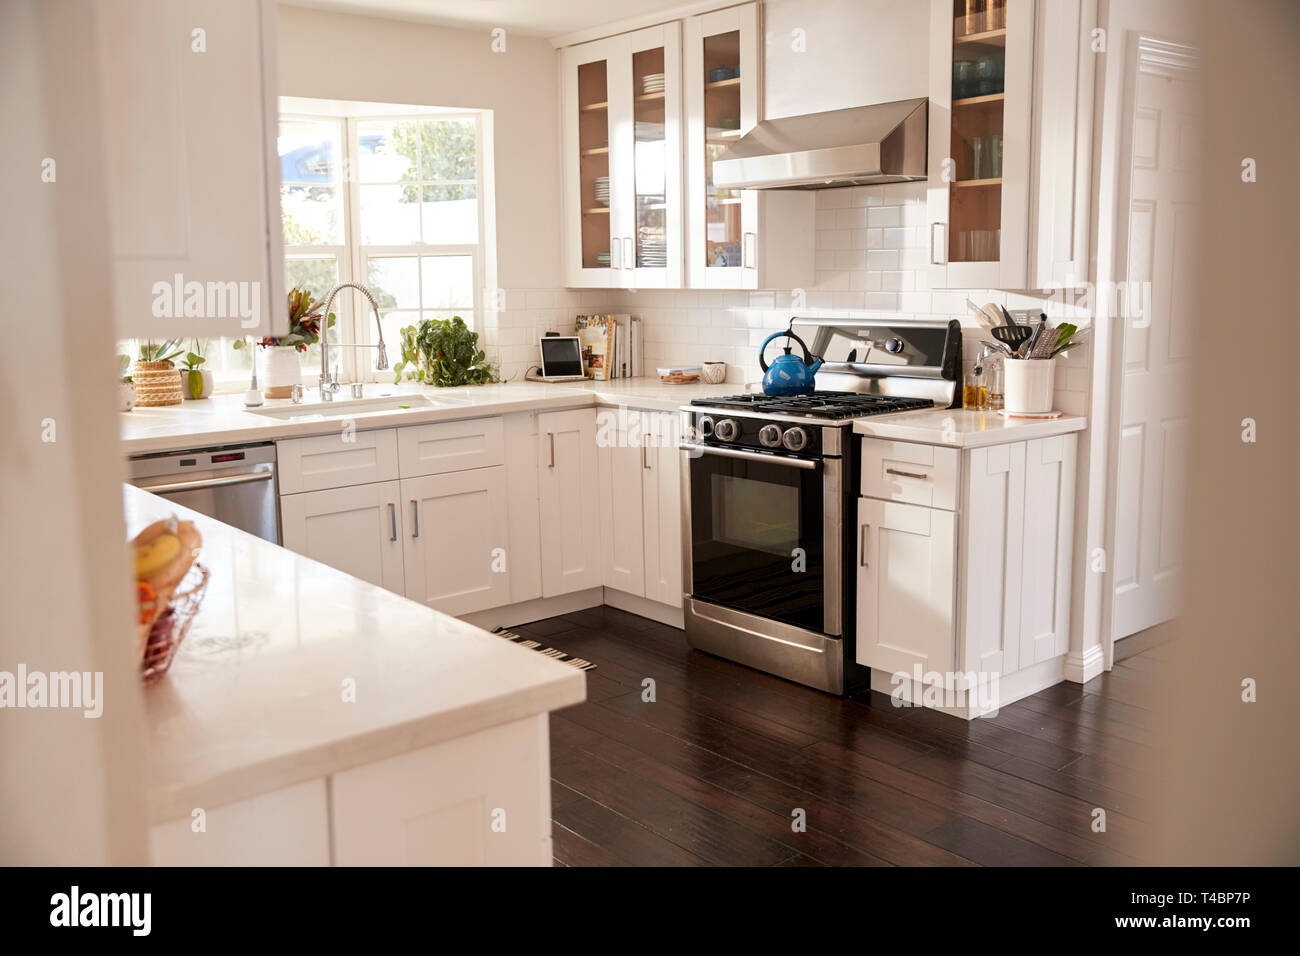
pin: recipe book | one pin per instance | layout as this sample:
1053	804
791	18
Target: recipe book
596	338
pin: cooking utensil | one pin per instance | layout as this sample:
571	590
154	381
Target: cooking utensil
1012	336
1011	323
985	320
1045	343
1033	338
998	347
991	311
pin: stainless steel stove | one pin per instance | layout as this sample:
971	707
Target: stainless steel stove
769	487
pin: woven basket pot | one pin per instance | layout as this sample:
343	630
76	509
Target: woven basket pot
156	383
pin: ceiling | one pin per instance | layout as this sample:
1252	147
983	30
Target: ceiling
546	18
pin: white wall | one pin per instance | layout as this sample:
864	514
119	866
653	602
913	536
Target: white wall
336	56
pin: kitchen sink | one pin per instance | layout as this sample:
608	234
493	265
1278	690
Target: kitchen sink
355	407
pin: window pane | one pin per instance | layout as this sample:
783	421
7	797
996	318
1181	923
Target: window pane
393	323
311	215
450	214
390	215
387	151
309	151
448	282
318	275
395	282
448	149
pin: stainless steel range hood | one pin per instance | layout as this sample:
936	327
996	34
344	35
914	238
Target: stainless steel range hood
860	146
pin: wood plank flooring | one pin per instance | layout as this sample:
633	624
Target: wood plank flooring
719	766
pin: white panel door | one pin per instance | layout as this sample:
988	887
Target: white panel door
570	501
905	587
1151	468
357	530
623	541
661	494
992	535
1048	547
455	540
336	461
193	173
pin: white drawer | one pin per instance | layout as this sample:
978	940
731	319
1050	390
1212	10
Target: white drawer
916	474
450	446
335	461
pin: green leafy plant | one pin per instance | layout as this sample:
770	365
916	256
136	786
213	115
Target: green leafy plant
193	363
163	352
123	368
304	322
443	352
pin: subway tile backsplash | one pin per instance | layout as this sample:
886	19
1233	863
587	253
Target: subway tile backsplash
871	262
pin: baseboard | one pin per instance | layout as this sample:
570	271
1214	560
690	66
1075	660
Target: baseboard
525	612
981	701
1081	667
644	607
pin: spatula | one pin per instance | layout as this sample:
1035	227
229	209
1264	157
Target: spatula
1012	336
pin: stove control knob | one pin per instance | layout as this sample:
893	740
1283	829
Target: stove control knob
704	426
894	345
795	439
770	436
726	430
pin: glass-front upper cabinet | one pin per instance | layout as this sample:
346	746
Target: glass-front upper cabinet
722	104
622	127
981	97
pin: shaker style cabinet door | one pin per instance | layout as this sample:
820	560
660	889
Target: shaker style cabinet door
455	540
1049	545
905	587
661	496
190	123
569	494
357	530
624	548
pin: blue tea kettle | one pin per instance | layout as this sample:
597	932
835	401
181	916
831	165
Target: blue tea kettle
789	374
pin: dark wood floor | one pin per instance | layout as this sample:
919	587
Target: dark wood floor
711	773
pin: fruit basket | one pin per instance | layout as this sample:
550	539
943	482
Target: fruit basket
170	627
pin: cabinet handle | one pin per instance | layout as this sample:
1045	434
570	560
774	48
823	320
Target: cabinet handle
748	250
392	517
645	462
907	474
415	518
933	260
627	253
615	258
863	549
550	437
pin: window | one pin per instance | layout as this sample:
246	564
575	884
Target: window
389	197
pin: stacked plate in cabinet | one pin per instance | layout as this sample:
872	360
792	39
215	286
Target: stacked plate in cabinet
602	190
652	83
651	253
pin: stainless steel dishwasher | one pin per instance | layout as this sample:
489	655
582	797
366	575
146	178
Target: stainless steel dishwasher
234	484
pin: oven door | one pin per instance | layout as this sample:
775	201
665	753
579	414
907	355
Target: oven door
759	535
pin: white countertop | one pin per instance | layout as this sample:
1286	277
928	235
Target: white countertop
963	427
254	699
223	419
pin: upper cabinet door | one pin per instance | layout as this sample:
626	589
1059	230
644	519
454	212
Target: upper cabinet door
650	199
722	79
190	115
596	106
981	101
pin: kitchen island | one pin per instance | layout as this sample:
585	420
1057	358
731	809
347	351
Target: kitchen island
314	718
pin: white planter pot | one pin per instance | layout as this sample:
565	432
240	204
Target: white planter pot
204	383
278	371
1027	385
125	396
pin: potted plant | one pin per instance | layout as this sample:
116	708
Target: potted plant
443	352
198	380
157	381
280	372
125	388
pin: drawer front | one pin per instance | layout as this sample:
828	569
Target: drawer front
336	461
450	446
915	474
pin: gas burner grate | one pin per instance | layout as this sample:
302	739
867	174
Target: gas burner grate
819	404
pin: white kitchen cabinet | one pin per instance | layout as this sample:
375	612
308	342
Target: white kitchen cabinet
746	238
906	581
356	529
640	503
992	554
193	174
450	446
455	549
1048	548
1010	143
569	500
348	457
621	128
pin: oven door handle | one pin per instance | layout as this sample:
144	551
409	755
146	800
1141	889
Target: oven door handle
805	463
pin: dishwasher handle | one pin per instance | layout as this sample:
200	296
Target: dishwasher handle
208	482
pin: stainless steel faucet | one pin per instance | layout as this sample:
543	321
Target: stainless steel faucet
329	384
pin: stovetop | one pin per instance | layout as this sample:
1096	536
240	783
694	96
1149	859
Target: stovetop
834	405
